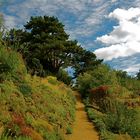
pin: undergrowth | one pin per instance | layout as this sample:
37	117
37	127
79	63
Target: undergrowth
32	108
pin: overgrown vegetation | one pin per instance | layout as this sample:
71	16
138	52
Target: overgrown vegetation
47	49
112	101
36	108
32	108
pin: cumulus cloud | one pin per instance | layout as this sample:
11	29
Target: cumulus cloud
118	50
133	69
122	14
124	40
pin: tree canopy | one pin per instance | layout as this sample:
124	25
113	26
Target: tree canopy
46	47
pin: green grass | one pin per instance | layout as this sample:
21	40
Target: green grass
48	107
32	107
116	124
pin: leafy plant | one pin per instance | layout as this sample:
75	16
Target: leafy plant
25	89
69	130
122	120
64	77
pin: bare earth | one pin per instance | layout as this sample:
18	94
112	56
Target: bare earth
82	129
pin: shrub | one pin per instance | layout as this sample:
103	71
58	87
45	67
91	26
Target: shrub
11	64
64	77
84	83
49	103
25	89
101	75
69	130
122	120
97	119
52	80
101	97
99	93
117	118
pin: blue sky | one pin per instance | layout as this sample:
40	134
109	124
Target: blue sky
109	28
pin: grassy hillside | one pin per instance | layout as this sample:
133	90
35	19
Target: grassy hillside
32	108
35	108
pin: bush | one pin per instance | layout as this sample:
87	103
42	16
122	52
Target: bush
102	98
52	80
122	120
25	89
69	130
11	64
35	67
84	83
101	75
97	119
117	118
64	77
50	107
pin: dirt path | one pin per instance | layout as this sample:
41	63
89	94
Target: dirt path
82	129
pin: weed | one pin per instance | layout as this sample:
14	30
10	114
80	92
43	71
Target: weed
69	130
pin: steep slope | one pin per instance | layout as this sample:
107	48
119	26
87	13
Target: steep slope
32	108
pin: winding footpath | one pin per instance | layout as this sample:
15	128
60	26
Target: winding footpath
82	129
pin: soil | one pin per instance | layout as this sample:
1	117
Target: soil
83	129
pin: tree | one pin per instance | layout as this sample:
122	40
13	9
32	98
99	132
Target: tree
85	61
138	75
101	75
46	42
64	77
1	29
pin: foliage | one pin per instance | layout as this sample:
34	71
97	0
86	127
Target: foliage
130	83
32	107
25	89
85	61
50	107
44	108
2	29
96	117
69	130
110	98
115	125
106	96
11	64
138	75
122	121
64	77
46	47
84	83
101	75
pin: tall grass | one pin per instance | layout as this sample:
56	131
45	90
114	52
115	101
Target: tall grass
32	107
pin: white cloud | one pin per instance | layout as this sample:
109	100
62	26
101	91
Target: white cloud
10	21
83	19
117	50
97	14
114	0
133	69
88	14
124	40
122	14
